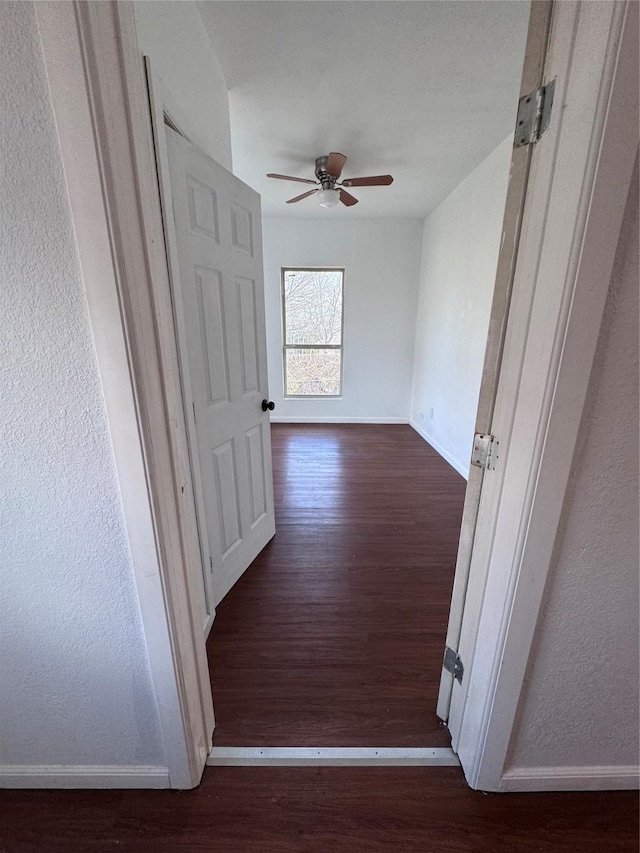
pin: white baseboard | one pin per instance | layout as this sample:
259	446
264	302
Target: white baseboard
614	778
83	776
285	419
463	470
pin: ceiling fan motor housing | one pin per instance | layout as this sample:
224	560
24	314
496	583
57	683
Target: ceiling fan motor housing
328	181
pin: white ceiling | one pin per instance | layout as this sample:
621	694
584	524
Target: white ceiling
421	90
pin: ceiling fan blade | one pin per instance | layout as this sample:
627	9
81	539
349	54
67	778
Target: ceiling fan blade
347	198
335	163
290	178
300	197
374	181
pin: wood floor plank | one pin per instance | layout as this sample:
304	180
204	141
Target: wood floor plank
335	634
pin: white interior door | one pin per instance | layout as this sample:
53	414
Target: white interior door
532	78
219	304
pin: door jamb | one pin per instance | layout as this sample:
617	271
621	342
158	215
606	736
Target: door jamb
532	79
565	261
101	110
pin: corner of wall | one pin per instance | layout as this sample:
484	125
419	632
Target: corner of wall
177	41
459	466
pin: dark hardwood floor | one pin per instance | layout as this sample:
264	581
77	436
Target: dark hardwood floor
334	636
319	810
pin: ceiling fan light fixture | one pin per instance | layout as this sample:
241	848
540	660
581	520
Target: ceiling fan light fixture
328	198
328	171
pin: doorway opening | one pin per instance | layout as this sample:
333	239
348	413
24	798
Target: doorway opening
539	411
343	695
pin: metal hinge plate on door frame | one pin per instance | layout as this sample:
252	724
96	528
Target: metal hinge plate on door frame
534	115
485	451
453	664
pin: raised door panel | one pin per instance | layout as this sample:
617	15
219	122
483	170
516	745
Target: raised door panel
209	303
248	338
242	227
203	209
228	496
254	443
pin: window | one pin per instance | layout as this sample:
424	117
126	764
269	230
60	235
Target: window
312	308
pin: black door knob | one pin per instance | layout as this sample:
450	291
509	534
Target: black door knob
267	404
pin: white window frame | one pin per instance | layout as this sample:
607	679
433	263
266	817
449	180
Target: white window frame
286	346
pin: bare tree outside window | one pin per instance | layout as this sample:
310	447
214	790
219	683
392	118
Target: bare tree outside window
312	303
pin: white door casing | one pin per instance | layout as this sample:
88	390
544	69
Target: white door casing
580	176
532	79
100	103
219	301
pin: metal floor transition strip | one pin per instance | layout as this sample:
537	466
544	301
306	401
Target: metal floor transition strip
306	756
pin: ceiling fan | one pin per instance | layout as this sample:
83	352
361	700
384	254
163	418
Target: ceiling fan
329	188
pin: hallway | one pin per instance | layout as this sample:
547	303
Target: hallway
335	634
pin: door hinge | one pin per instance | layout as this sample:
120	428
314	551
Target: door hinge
453	664
534	115
485	451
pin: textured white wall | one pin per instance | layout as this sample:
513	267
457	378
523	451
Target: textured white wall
580	705
461	239
74	673
174	36
381	259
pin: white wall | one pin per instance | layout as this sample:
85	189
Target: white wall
461	239
174	36
381	259
580	705
74	672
